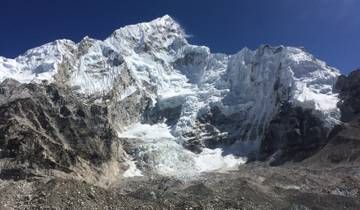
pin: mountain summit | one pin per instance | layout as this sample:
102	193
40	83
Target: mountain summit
166	96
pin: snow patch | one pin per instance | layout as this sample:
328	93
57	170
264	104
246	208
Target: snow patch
213	160
132	171
148	132
128	92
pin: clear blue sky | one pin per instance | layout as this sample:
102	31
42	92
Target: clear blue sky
330	29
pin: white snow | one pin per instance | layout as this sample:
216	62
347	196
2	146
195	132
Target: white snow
37	64
148	132
213	160
162	152
128	92
313	99
132	171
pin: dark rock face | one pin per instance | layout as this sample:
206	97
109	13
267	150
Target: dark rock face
294	134
217	130
344	144
349	93
43	127
156	114
342	149
344	140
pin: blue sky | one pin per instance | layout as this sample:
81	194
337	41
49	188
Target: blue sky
330	29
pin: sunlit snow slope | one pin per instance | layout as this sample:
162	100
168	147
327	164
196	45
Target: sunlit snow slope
154	80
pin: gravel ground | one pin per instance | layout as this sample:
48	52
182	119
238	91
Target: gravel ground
253	186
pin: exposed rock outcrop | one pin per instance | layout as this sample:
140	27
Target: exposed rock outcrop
349	93
297	134
45	129
293	135
343	147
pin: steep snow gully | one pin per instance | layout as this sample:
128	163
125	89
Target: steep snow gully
184	109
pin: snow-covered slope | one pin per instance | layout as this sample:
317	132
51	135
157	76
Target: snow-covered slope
212	99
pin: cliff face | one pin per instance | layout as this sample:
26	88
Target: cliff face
343	147
45	129
349	94
297	135
294	135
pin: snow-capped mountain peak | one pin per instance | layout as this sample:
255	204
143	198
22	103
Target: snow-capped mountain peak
161	33
148	73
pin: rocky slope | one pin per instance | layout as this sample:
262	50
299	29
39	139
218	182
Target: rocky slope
145	120
44	129
343	147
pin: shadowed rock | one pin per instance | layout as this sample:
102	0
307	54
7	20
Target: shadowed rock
44	127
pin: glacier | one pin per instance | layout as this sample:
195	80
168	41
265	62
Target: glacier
170	92
158	146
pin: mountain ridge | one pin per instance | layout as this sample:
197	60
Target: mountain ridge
148	74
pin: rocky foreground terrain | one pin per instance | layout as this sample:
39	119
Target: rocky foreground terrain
145	120
253	186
